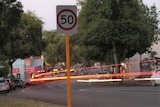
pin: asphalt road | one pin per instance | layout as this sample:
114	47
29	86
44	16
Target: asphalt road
93	95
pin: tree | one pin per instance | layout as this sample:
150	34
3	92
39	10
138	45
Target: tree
25	40
91	35
76	54
55	47
125	27
29	36
10	11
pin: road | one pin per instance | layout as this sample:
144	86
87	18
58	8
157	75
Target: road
93	95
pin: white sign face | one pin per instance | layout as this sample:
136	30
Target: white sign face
66	19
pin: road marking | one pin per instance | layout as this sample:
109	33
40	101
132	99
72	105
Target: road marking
82	80
141	79
99	80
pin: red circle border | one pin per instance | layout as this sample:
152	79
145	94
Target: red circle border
61	25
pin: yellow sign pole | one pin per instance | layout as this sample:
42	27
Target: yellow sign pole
68	70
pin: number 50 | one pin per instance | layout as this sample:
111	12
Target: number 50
67	19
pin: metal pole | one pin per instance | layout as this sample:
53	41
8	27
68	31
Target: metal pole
68	70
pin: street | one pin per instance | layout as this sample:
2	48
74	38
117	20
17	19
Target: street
93	95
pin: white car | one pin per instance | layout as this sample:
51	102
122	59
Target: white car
155	77
4	85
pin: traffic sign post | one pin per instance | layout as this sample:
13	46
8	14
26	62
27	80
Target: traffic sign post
67	24
68	70
67	19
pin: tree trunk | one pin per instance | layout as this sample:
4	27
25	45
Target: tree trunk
116	59
10	69
140	64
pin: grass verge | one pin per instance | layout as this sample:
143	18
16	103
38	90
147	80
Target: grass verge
7	101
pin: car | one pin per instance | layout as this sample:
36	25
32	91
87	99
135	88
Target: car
4	85
19	83
155	77
11	84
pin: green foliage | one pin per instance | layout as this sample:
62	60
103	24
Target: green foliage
55	47
76	54
121	27
55	50
10	14
10	11
26	39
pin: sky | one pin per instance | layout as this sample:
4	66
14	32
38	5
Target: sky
46	9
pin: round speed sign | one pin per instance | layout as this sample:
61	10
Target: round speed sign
66	19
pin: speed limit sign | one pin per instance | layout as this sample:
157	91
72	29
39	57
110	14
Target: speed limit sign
66	19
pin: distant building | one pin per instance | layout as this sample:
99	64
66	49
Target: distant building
24	68
135	67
